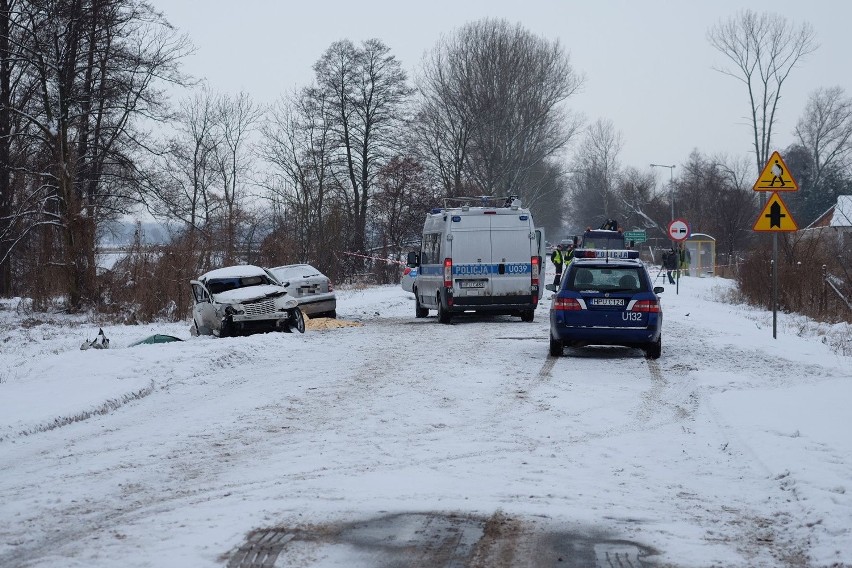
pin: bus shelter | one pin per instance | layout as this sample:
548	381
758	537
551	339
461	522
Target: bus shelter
700	255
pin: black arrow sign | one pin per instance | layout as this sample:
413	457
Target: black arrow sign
775	215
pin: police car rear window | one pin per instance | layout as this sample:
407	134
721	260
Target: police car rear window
606	279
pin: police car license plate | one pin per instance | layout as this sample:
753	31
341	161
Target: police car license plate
471	283
607	301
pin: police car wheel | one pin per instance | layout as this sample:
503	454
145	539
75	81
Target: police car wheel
654	350
556	347
528	315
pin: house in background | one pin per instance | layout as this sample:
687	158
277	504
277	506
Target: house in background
838	219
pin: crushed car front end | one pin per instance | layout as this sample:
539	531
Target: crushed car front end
273	312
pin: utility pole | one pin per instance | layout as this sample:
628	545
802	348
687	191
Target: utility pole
671	183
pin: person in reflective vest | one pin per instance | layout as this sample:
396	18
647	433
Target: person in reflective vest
558	262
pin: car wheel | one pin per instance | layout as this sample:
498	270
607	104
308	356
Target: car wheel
297	320
528	315
444	315
556	347
419	311
332	314
654	350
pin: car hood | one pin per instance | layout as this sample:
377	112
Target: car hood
241	295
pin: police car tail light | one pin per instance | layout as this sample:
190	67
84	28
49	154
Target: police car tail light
566	305
535	271
647	306
448	272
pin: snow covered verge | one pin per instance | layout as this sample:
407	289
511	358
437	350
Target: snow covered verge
732	450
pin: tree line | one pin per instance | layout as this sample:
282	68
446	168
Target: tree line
340	169
347	164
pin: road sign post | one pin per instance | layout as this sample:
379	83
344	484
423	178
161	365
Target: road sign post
678	232
775	217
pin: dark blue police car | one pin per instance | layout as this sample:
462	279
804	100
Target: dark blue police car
606	297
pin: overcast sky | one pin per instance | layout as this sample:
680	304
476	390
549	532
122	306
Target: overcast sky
648	65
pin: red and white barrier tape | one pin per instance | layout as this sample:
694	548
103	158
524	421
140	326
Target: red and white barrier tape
383	259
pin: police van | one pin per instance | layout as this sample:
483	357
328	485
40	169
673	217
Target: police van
479	259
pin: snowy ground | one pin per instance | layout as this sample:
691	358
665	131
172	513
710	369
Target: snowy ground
733	449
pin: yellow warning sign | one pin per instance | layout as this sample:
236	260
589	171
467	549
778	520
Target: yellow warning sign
775	217
775	176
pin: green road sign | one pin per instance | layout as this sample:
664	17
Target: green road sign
635	236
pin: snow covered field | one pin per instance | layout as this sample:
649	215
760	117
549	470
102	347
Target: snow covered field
733	449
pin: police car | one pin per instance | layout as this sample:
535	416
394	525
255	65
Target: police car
606	297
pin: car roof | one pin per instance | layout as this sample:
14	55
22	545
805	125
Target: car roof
293	266
241	271
298	269
602	232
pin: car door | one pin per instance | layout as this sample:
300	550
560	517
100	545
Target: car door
203	311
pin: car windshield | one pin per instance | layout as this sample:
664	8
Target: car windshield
605	279
219	285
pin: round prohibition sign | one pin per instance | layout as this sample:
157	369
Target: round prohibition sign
679	230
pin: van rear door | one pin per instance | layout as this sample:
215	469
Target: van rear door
511	254
471	254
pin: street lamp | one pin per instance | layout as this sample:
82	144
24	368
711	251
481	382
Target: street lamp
671	183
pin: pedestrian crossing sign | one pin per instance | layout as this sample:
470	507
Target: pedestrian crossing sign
775	217
775	176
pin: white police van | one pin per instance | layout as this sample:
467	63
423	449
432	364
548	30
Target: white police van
479	259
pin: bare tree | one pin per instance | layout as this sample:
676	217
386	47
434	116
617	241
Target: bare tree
366	88
237	118
494	97
182	190
596	170
399	204
548	205
299	144
762	49
637	205
717	198
441	129
825	131
87	71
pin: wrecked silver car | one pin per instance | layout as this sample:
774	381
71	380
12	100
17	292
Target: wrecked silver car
240	300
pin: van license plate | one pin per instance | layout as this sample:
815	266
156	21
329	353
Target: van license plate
471	283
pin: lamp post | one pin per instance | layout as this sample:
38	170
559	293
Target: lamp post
671	183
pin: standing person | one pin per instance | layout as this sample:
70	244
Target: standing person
685	260
670	263
558	262
567	254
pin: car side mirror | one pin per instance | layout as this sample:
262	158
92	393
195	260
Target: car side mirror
413	259
551	287
659	289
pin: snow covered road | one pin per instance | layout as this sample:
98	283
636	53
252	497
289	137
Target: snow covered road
731	450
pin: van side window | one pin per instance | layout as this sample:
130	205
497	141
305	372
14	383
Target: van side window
431	248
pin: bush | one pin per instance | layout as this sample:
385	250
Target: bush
806	263
150	283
